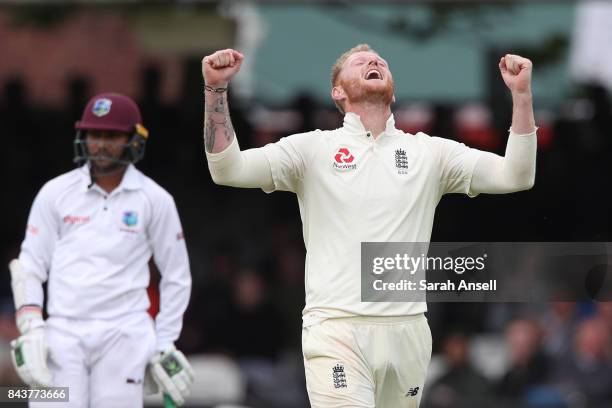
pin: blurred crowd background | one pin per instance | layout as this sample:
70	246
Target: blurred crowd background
243	325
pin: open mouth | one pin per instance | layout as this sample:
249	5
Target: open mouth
373	74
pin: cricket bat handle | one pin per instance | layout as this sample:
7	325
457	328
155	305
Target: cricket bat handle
168	402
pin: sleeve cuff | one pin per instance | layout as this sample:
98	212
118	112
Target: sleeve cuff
217	160
163	345
512	133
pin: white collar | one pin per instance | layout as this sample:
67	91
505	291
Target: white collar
352	124
132	178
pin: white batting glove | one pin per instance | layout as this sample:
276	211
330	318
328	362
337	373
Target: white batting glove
29	356
170	373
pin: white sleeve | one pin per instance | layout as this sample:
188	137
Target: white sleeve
457	162
170	256
289	158
235	168
276	166
37	248
515	171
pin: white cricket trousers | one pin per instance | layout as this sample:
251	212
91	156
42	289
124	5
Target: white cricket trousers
101	361
367	362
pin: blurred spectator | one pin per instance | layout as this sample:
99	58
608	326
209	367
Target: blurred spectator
559	322
461	386
586	373
529	366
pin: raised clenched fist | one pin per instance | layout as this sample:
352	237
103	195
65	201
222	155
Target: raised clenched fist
220	67
516	72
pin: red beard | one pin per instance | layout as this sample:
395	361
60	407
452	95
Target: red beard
358	91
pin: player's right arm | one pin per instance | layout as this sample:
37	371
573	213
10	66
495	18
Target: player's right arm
228	165
31	269
29	351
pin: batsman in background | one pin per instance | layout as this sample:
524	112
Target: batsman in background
365	181
90	234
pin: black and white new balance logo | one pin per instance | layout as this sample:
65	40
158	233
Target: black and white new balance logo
338	376
412	392
401	161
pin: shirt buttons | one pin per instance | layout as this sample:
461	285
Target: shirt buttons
368	134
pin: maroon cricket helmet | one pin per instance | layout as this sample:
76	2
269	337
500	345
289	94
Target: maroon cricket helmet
110	111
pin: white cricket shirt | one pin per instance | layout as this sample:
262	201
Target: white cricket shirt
352	188
94	248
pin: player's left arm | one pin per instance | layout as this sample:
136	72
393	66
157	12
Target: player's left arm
514	171
169	370
170	256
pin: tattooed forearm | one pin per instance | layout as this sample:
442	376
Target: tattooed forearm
209	135
218	129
